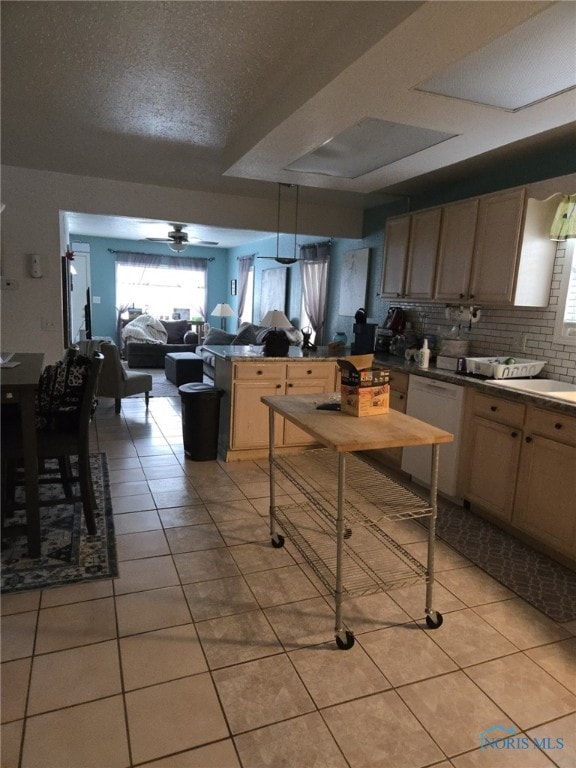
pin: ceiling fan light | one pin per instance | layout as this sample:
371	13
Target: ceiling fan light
177	246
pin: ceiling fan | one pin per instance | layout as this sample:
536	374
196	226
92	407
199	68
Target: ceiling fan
285	259
178	239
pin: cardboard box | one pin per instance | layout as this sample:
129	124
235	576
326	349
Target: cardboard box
364	389
365	401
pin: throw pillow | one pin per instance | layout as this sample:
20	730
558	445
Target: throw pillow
245	335
175	330
217	336
191	337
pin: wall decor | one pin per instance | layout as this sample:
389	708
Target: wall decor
273	291
233	287
353	281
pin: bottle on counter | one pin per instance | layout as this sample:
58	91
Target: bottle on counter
424	355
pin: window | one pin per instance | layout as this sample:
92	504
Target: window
565	328
161	290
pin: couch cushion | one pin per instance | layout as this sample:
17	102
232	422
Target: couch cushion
175	330
246	334
217	336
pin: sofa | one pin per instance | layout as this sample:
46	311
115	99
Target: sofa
147	341
247	333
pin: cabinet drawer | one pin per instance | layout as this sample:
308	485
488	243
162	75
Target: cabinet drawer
399	381
551	424
259	371
502	411
309	371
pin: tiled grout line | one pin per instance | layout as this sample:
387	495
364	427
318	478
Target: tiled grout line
285	651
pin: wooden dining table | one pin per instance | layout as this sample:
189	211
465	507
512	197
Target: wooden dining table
19	385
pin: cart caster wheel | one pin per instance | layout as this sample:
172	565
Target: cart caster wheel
435	622
278	542
345	645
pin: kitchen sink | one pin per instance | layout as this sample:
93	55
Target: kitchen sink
557	390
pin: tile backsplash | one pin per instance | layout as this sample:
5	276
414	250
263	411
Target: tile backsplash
522	332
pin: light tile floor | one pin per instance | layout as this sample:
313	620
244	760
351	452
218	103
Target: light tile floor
214	650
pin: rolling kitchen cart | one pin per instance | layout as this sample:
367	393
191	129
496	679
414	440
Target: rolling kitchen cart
344	523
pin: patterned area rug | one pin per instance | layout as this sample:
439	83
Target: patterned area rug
69	555
538	579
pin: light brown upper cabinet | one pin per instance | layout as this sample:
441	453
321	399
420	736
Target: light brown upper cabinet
513	253
456	250
410	248
491	250
422	251
395	257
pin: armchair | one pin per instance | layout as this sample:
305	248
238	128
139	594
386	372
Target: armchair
115	381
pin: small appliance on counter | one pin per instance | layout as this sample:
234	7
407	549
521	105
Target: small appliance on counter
393	326
364	334
449	353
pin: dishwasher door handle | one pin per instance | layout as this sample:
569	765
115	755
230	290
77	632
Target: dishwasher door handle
437	389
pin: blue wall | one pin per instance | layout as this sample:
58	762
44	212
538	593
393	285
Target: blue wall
103	276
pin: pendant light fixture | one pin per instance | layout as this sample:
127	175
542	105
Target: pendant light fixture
285	259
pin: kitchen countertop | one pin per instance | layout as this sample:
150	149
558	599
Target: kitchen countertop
230	352
439	374
256	352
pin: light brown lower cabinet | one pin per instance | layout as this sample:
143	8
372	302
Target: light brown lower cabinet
520	467
243	417
545	503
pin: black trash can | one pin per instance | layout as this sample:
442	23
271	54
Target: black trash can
200	420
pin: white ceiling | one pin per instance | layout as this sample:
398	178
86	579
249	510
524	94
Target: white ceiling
224	96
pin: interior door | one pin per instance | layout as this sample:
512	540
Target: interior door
78	282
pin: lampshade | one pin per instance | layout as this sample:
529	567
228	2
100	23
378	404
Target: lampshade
222	310
564	224
275	319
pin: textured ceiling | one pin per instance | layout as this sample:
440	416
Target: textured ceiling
223	96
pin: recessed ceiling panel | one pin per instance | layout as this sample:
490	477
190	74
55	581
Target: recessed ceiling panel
532	62
366	146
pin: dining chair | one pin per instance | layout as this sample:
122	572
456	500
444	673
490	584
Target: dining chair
58	443
115	381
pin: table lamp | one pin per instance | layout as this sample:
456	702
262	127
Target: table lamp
222	311
276	343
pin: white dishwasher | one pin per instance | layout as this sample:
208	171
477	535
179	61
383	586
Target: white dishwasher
440	404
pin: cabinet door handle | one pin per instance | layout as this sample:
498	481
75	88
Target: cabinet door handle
279	386
528	439
514	434
259	373
494	408
308	372
290	385
401	397
558	425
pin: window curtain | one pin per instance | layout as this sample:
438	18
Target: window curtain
314	273
144	260
246	264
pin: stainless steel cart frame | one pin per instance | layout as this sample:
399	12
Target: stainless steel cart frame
324	527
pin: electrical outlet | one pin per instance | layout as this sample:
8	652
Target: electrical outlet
8	284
